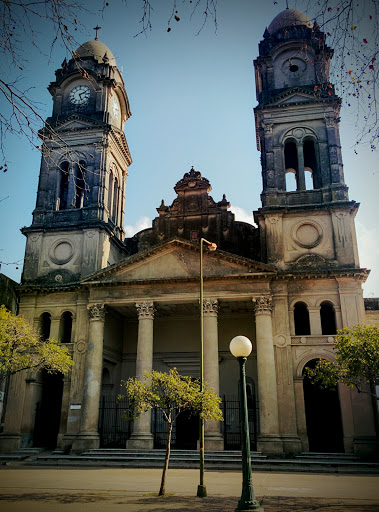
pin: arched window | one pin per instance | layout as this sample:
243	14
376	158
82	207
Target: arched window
65	327
64	179
301	317
80	184
308	176
44	325
291	164
291	185
328	318
115	200
110	193
310	165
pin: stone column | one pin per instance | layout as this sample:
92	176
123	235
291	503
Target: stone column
54	327
88	436
142	437
315	320
300	167
213	437
300	413
269	440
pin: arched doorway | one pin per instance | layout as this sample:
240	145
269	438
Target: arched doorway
48	411
323	416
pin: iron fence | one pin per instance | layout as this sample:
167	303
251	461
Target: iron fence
115	430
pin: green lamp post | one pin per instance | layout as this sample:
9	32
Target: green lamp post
201	488
241	347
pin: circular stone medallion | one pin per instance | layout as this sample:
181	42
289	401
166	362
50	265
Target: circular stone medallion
307	234
61	252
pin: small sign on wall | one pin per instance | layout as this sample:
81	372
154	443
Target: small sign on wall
75	406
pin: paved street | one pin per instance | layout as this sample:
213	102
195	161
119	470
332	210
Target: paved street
132	490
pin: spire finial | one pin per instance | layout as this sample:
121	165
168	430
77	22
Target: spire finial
97	28
287	4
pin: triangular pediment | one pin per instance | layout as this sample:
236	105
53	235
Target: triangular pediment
177	260
296	96
77	122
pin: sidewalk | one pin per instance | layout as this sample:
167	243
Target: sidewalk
135	490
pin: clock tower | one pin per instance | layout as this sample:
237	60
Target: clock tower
306	219
78	221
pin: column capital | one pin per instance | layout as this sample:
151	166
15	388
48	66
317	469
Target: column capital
262	304
97	312
145	310
210	307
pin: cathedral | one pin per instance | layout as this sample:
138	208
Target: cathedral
124	306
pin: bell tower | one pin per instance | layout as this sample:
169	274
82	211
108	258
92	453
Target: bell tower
78	221
306	216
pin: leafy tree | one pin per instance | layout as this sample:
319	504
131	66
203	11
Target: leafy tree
357	360
172	394
21	348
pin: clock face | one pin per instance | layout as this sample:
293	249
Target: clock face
79	95
115	108
294	67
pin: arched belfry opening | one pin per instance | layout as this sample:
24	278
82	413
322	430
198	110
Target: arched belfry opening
328	319
80	184
323	416
301	318
65	327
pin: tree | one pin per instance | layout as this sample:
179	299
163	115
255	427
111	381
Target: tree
21	348
172	394
352	30
357	361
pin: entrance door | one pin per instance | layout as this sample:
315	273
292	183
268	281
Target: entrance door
323	416
187	431
48	412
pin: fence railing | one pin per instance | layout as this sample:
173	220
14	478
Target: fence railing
115	430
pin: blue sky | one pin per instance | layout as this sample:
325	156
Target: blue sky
192	99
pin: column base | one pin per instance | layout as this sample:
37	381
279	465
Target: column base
213	441
366	447
270	444
291	445
85	441
9	442
140	441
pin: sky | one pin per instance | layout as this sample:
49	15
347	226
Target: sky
192	98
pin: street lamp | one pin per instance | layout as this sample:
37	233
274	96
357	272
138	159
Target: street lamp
201	488
241	347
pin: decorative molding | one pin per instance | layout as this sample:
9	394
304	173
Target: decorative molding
262	304
311	340
81	346
97	312
210	307
145	310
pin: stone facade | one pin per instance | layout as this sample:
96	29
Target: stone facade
127	306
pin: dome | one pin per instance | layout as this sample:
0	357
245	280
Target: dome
97	50
289	18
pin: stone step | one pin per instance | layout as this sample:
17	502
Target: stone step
327	456
173	454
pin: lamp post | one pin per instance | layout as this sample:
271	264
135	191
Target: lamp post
241	347
201	488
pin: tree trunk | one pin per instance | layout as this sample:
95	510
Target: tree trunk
167	457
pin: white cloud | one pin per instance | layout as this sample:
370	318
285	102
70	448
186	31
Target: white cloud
368	247
142	223
242	215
